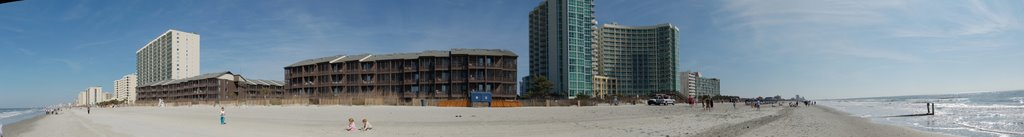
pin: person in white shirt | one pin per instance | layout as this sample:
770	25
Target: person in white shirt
222	116
366	125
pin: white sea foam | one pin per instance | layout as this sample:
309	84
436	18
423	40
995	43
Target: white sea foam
1020	100
958	116
966	105
12	113
989	130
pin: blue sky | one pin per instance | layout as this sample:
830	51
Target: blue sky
820	49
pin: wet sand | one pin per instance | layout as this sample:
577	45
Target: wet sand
815	121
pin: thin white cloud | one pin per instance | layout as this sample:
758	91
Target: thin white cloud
12	29
283	38
973	18
756	13
73	66
79	11
296	33
979	45
26	51
851	28
97	43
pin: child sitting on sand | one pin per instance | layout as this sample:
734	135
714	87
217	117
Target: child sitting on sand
366	125
351	124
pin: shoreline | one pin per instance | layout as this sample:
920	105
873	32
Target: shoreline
22	126
826	121
839	112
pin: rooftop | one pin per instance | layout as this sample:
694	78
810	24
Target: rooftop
413	55
215	75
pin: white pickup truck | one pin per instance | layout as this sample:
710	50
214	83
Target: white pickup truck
661	99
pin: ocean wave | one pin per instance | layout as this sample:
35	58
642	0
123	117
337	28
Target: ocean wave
1020	100
4	115
942	100
965	105
990	130
973	114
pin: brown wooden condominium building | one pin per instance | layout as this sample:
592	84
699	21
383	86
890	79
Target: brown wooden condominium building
221	86
423	75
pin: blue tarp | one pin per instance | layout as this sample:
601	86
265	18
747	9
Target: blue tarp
480	96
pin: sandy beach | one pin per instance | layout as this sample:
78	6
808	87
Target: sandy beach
815	121
679	120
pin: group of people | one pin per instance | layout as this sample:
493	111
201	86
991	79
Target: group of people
352	125
351	122
756	103
53	111
708	103
806	103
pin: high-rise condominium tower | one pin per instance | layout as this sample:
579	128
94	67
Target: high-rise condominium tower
94	95
124	88
561	34
640	59
172	55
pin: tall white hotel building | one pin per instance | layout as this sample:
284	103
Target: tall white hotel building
124	88
90	96
172	55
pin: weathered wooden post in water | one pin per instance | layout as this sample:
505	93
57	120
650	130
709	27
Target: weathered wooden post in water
928	106
931	108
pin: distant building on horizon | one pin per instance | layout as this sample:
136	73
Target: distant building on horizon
172	55
91	96
560	39
688	83
641	60
124	88
694	84
82	100
708	86
108	97
523	85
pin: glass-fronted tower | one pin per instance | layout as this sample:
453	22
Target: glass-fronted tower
561	36
641	59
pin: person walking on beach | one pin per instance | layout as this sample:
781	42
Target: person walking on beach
351	124
704	103
758	103
366	125
734	103
711	104
88	110
222	116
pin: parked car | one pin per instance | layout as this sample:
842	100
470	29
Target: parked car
661	99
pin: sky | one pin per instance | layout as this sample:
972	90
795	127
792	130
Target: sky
54	49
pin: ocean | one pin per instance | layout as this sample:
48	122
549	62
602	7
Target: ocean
13	115
994	114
